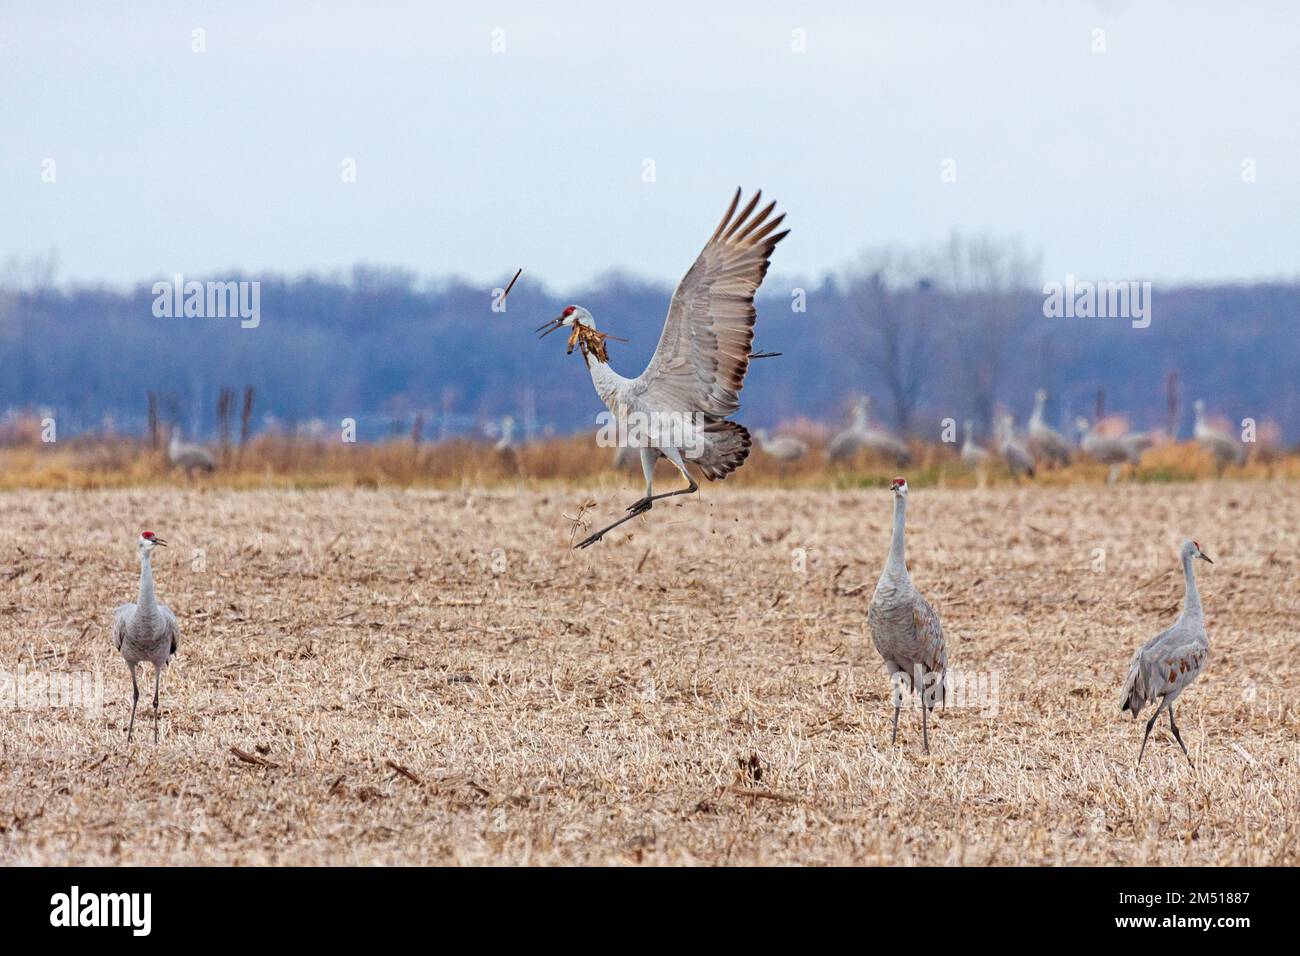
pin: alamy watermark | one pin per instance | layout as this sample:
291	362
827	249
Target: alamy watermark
57	690
681	430
209	300
976	690
1085	299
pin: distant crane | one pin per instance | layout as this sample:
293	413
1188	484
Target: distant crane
1164	666
905	628
145	631
1013	451
1045	441
189	456
506	448
680	403
784	448
972	454
1225	449
861	434
846	444
1116	451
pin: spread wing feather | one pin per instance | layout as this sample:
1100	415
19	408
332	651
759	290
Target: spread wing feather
703	353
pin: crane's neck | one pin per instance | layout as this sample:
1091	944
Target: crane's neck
148	602
608	383
896	566
1037	417
1191	597
967	441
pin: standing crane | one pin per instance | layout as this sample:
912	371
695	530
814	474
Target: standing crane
861	434
883	443
145	631
784	448
845	445
1045	441
189	456
1225	449
972	454
1164	666
1116	451
678	407
1013	451
905	628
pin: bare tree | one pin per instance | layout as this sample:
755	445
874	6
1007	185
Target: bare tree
894	303
984	281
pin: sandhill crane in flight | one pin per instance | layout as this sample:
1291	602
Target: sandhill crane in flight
678	406
1164	666
1045	441
1225	449
905	628
1013	451
145	631
189	456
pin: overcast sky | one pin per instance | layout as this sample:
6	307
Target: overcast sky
1126	163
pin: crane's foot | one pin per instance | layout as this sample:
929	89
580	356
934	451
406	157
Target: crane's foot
640	508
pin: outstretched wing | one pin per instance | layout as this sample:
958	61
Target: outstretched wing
703	354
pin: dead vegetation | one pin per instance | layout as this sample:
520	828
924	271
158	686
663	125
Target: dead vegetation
433	676
279	461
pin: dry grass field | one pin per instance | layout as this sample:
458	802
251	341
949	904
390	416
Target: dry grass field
433	676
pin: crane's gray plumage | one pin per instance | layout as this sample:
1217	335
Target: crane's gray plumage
862	434
1044	441
1116	451
1164	666
905	628
145	631
846	444
972	454
1014	453
1225	449
188	456
783	448
698	369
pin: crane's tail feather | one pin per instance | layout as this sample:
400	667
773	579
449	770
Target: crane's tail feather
726	446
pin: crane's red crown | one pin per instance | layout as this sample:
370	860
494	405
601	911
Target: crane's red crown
1197	544
898	481
146	534
568	312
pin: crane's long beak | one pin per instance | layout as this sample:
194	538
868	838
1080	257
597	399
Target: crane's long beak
1204	556
160	541
550	326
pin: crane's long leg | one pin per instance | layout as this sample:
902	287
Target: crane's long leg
925	730
648	458
1177	736
675	457
1150	724
135	698
157	679
898	703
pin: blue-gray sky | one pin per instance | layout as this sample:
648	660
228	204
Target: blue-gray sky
1120	164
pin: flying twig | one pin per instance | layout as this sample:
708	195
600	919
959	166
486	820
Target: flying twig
511	285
